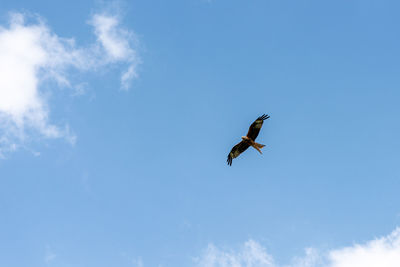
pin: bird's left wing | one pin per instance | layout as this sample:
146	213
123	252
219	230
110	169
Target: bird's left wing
236	151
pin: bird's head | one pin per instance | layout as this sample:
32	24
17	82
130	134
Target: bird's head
245	138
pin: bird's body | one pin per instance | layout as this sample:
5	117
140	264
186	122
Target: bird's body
248	140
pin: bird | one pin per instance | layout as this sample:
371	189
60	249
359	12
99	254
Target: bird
248	140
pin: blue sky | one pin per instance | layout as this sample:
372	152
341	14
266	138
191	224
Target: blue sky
98	170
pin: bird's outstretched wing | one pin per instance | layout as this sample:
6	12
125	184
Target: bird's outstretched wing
236	151
255	127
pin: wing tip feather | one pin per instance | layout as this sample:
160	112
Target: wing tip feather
263	117
229	160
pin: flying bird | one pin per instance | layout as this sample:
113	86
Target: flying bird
248	140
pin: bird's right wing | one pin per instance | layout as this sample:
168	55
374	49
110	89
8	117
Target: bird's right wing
236	151
255	127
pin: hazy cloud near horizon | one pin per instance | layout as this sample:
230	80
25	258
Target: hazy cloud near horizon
382	252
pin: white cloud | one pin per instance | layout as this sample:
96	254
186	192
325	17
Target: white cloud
381	252
31	55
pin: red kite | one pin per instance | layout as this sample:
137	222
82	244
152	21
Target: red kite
248	140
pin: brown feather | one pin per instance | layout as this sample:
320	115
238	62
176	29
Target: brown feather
237	150
255	127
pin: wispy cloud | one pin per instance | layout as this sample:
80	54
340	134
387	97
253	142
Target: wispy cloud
137	262
49	255
380	252
31	55
249	255
117	43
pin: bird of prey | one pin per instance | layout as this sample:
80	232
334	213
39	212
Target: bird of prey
248	140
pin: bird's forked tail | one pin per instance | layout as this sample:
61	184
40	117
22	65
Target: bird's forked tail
258	147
